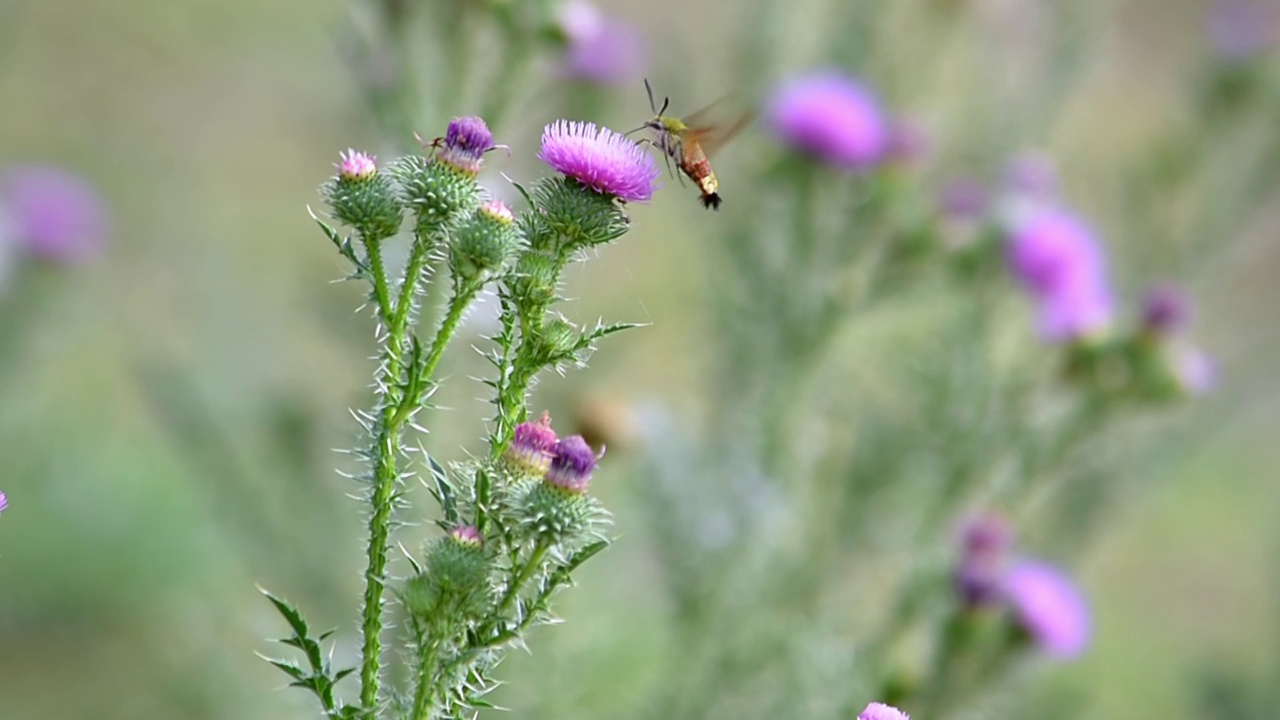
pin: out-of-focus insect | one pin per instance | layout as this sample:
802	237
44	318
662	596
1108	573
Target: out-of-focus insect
692	140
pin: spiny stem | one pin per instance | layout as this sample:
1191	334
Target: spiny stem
462	298
427	648
373	251
384	475
513	591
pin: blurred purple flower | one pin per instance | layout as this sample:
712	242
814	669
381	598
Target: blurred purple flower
1050	607
1195	371
909	142
572	463
600	159
1166	311
880	711
832	117
601	48
52	213
985	541
1032	176
1239	30
963	200
4	502
1059	261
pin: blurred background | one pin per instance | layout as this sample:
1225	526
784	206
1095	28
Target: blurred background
174	378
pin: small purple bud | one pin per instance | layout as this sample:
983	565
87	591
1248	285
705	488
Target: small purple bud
356	166
52	213
498	210
880	711
600	159
467	535
465	142
986	534
1050	608
532	446
831	117
1166	311
963	200
601	48
1032	176
572	464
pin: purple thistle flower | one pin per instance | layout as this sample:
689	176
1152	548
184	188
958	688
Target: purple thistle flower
356	165
1059	261
4	502
1166	311
600	159
532	446
1049	607
465	142
832	117
1240	30
466	535
52	213
572	464
880	711
601	48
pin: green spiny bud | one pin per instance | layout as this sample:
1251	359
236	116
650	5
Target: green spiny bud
482	246
363	198
533	285
555	513
440	196
571	216
455	584
557	340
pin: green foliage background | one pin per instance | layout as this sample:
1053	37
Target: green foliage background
167	416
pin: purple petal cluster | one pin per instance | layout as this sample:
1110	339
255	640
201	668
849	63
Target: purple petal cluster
600	159
1166	311
4	502
52	213
985	543
532	446
356	165
832	117
880	711
1049	607
572	464
601	48
466	535
465	142
1060	262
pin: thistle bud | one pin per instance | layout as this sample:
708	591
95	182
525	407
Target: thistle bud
558	340
439	197
482	246
531	448
534	283
455	582
363	198
573	216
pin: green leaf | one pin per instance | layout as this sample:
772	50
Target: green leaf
290	613
289	667
585	554
443	492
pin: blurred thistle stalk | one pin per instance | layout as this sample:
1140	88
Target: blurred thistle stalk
837	506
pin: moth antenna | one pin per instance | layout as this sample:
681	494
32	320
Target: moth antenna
665	102
649	89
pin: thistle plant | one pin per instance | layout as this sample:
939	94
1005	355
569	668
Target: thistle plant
517	518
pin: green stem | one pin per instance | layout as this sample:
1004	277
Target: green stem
462	298
373	251
427	649
513	591
384	452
